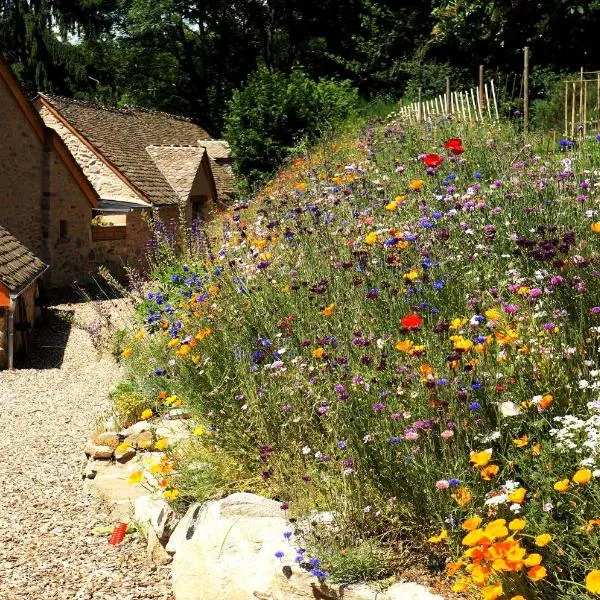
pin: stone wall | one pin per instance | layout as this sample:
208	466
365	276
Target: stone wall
103	178
21	173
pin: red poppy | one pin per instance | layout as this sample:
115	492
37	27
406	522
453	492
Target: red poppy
454	145
411	321
433	160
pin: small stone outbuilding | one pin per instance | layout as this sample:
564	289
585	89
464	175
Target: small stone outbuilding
20	271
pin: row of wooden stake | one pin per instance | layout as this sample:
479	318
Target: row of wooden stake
473	104
576	92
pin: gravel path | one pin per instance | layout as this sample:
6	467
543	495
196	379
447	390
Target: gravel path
47	548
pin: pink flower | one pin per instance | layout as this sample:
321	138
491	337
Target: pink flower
447	434
442	484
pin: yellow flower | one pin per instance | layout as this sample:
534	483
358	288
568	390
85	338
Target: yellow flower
596	227
461	585
411	275
171	494
328	310
519	597
404	345
493	315
136	477
123	446
198	431
517	524
543	540
146	414
127	352
416	184
140	334
492	592
173	343
489	472
496	529
371	238
436	539
473	537
472	523
516	554
457	323
462	495
518	495
582	476
532	560
562	485
480	459
318	353
391	205
536	573
592	581
161	444
520	442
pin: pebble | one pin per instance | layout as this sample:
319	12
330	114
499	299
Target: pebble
41	488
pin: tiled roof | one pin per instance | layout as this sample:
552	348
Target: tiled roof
18	265
219	153
179	165
122	136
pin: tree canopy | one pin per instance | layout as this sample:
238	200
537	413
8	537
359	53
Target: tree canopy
189	56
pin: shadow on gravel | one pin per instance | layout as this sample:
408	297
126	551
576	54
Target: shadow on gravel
47	341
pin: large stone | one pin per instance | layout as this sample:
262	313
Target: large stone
155	550
98	451
124	455
156	514
136	428
411	591
107	438
226	549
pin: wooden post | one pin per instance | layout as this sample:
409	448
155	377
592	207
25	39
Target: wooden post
448	107
598	102
474	105
573	114
462	103
481	98
580	94
479	108
495	101
514	85
487	102
468	106
419	108
566	108
585	107
526	89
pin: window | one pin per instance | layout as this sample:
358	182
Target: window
64	230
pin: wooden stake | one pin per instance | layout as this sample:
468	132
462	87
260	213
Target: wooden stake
474	105
479	108
462	103
487	102
512	92
420	108
481	98
598	103
585	108
468	106
448	107
580	94
573	114
526	89
495	102
566	109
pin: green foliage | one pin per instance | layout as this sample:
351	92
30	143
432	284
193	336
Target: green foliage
128	403
274	112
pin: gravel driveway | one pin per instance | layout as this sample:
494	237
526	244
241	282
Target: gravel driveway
47	410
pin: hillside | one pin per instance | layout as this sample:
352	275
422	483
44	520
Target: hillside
401	328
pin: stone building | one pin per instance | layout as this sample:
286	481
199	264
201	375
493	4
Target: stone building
79	183
20	271
46	201
141	163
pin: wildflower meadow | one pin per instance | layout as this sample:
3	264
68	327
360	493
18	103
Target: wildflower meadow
400	330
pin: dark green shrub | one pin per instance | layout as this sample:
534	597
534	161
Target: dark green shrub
273	112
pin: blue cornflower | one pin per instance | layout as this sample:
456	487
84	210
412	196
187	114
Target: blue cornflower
474	406
287	534
341	444
454	481
476	384
478	175
394	440
279	554
438	284
314	562
319	573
